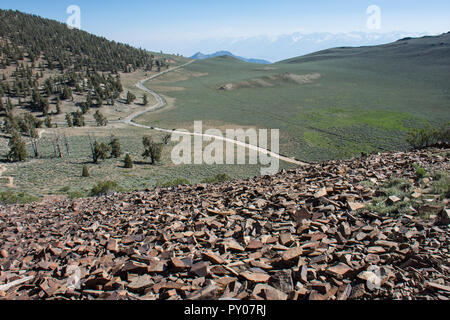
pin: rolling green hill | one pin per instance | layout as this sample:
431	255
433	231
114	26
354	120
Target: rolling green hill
333	104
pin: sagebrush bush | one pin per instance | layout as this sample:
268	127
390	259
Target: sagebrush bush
441	185
128	162
221	177
85	172
9	197
173	183
76	194
420	172
429	136
105	187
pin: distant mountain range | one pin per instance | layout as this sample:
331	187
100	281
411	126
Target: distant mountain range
276	48
201	56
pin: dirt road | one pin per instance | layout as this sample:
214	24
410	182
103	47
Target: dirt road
161	103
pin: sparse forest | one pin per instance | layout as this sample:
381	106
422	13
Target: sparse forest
43	63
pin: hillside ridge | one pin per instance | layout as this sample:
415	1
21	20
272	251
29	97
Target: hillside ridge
201	56
435	48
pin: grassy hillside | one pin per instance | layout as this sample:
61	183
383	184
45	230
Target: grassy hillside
365	99
426	50
24	35
51	175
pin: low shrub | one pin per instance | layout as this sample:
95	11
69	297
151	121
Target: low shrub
85	172
64	189
429	136
76	194
221	177
173	183
441	184
128	162
105	187
9	197
420	172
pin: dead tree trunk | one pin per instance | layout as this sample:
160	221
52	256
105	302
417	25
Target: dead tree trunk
54	148
34	144
58	145
94	155
67	143
34	135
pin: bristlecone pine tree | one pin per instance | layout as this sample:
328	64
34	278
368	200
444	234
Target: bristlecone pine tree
58	106
115	147
166	138
18	151
152	150
78	119
128	162
100	119
145	100
48	122
130	97
69	120
101	151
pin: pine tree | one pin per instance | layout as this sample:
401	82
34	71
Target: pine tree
101	151
115	147
18	151
145	99
10	124
45	106
67	93
166	138
152	150
69	120
48	122
58	106
100	119
130	98
128	162
78	119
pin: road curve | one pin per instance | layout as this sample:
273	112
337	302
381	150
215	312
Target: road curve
161	103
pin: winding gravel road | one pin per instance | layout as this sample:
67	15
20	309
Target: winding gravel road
161	103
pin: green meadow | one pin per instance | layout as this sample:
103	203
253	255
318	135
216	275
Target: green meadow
358	104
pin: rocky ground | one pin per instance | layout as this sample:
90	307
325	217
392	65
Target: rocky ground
304	234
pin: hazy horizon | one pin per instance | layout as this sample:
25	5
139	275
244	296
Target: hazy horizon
260	30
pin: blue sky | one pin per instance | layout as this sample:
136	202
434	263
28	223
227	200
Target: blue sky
156	25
